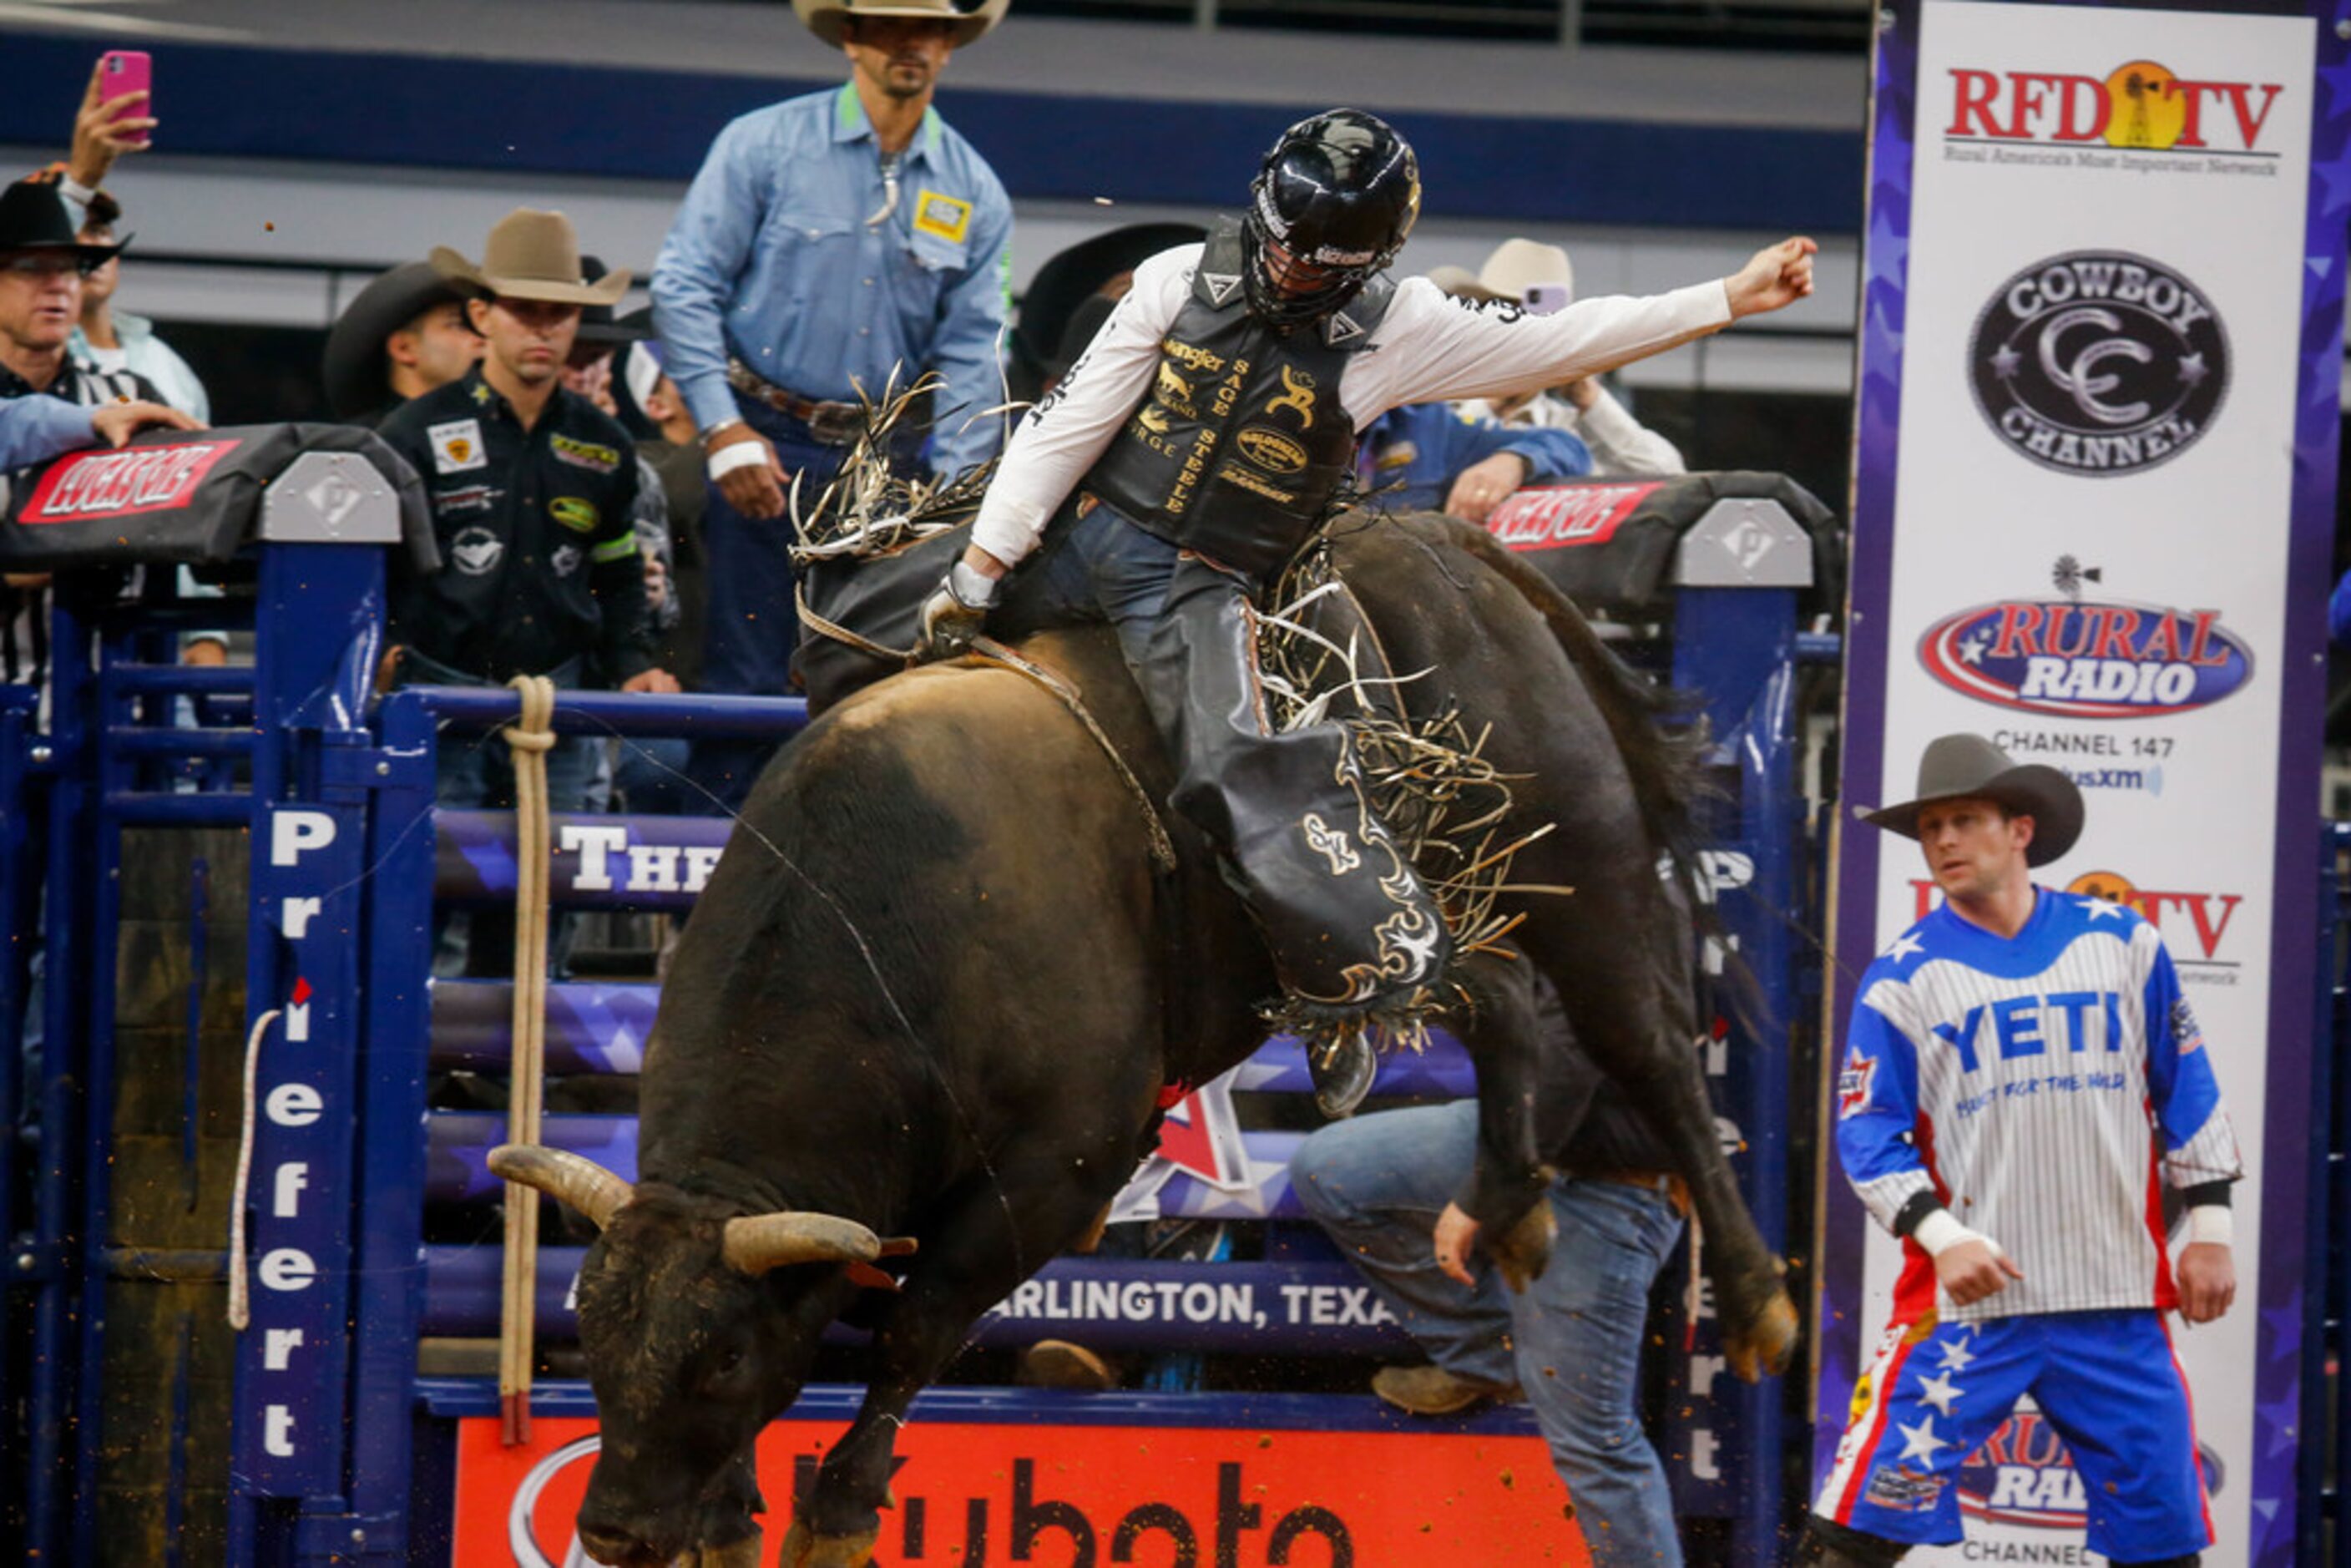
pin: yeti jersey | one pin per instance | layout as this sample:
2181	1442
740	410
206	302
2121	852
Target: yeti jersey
2044	1087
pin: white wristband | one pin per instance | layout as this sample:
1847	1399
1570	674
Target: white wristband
741	454
1941	1231
2213	1222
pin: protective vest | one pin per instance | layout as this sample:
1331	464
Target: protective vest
1243	442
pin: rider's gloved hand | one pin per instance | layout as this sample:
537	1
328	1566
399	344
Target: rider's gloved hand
955	613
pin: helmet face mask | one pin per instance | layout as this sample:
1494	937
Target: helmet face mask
1332	205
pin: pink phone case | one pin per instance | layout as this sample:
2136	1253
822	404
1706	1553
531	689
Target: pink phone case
129	70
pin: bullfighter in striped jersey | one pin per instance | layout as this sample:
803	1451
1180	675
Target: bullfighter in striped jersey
2021	1077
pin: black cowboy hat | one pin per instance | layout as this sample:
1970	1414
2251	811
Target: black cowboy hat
1061	285
353	368
1970	767
33	216
597	322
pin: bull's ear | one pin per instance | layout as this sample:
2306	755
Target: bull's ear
565	1176
758	1242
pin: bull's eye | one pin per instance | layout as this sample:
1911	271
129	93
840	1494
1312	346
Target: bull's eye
728	1364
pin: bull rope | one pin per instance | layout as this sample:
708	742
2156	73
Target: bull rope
531	738
240	1289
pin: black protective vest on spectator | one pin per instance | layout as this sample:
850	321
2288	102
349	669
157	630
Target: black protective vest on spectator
1243	442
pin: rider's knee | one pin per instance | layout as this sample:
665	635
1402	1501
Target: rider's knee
1828	1545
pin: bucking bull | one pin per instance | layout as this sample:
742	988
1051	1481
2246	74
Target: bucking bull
938	983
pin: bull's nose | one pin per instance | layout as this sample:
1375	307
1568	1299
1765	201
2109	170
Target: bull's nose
619	1548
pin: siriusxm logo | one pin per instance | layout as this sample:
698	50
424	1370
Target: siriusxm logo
2076	660
2148	779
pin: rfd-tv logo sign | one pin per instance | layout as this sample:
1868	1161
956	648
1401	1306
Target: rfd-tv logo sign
2139	105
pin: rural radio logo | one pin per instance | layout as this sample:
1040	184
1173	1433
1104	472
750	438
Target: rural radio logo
2141	106
2022	1475
2098	362
2071	659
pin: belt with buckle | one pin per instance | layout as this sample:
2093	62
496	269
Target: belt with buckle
832	423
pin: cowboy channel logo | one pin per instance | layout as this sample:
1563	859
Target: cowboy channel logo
2098	362
2071	659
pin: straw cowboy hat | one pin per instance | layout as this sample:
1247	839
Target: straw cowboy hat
1969	767
1514	271
353	372
531	255
824	18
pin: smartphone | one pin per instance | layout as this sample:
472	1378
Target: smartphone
129	70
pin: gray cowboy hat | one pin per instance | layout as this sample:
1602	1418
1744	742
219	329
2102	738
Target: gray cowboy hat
353	370
1970	767
531	254
824	18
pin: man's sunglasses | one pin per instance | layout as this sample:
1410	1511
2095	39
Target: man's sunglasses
49	264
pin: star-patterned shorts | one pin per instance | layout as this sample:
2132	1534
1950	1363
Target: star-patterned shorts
2107	1382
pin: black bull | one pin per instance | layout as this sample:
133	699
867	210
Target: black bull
935	986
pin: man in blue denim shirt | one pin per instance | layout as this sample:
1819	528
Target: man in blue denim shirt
830	244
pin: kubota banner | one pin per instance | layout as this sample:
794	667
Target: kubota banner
971	1495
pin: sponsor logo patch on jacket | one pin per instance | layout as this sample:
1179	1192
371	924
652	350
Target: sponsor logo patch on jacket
575	512
457	447
584	454
466	498
942	215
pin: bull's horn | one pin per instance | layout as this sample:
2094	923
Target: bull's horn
565	1176
759	1243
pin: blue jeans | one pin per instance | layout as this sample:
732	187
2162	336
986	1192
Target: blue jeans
1573	1341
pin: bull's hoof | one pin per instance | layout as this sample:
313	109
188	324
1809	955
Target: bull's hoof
1766	1343
805	1549
743	1553
1525	1249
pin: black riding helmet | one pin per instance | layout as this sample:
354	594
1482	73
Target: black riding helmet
1339	193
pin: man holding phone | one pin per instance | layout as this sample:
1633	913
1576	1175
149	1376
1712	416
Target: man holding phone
116	117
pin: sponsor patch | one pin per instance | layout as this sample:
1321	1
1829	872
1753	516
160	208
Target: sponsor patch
477	551
1271	450
2098	363
1394	456
1296	393
584	454
1854	1082
566	559
457	447
2186	1032
575	512
466	498
942	215
2087	660
1901	1490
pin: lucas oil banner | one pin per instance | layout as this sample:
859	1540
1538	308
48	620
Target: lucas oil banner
2102	350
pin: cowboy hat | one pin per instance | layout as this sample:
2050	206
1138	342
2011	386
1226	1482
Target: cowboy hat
531	254
824	18
353	369
33	216
598	325
1517	268
1970	767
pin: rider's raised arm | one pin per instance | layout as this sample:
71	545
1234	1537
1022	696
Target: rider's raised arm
1433	348
1071	425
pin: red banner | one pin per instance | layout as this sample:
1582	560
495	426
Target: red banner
1572	515
973	1494
103	484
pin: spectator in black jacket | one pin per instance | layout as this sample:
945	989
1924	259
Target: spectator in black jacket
532	492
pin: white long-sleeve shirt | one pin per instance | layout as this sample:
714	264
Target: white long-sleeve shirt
1622	446
1426	348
